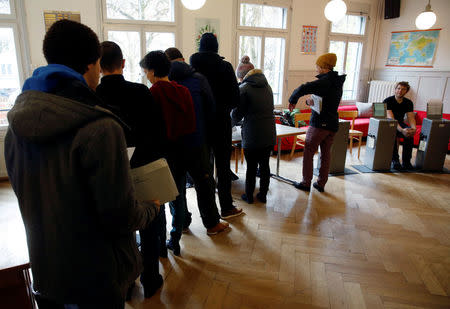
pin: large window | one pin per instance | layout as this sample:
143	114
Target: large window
11	74
262	35
347	38
139	26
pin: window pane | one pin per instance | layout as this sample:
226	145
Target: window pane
129	43
250	46
352	70
350	24
274	50
149	10
159	40
338	47
254	15
9	73
5	7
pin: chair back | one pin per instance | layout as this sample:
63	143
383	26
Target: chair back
349	115
301	117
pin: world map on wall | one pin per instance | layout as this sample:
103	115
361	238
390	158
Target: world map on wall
413	48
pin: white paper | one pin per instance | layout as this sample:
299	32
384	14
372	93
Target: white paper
317	107
370	142
422	145
154	181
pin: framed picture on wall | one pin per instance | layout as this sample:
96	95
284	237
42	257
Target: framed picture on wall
52	16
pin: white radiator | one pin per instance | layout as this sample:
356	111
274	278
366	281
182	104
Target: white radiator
380	90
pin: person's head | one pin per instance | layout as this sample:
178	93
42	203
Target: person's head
244	67
401	88
326	63
111	61
209	43
76	46
174	54
155	65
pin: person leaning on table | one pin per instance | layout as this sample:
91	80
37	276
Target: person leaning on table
323	126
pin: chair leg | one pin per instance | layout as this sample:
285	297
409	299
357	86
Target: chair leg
293	147
236	153
351	143
242	155
359	146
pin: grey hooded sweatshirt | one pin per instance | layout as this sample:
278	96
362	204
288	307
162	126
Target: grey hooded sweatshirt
68	166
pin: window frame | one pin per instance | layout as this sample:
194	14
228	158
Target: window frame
358	38
143	26
266	33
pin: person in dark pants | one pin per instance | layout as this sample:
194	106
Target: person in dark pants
67	163
134	104
221	78
258	128
197	158
397	107
322	126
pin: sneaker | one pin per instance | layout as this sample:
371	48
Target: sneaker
248	199
174	247
319	188
233	212
219	227
261	197
302	186
407	166
396	165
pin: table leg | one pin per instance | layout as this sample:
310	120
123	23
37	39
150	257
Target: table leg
278	156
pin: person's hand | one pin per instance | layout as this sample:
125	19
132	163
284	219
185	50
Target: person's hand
291	107
157	203
310	102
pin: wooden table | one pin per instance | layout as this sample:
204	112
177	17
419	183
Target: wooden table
282	131
15	283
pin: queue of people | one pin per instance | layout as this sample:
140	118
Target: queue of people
67	160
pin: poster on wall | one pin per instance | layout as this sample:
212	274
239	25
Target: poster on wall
309	40
416	48
51	16
204	25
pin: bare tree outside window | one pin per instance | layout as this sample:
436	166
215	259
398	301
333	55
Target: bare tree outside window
150	10
5	7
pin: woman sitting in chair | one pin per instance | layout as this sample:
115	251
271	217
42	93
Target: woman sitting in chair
323	124
258	128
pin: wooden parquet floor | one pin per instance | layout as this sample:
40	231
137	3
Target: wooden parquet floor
379	240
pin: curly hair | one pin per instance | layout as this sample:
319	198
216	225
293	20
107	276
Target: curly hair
157	61
404	84
71	44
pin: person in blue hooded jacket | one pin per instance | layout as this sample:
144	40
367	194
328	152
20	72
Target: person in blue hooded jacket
67	163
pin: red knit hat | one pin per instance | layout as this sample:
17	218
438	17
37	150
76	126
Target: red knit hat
244	67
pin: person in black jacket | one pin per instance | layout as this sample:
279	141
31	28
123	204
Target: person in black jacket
258	128
221	78
324	125
134	104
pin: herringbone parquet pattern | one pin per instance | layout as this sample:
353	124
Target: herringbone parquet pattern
369	241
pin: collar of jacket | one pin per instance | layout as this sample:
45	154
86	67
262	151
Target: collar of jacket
325	74
252	72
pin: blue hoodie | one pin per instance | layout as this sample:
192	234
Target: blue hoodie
51	77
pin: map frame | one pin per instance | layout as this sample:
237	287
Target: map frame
389	61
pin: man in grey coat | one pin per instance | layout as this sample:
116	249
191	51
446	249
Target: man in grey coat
258	128
67	163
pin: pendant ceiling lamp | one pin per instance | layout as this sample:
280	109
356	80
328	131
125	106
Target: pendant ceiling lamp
426	19
193	4
335	10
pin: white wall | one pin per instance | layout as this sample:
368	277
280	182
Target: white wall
426	83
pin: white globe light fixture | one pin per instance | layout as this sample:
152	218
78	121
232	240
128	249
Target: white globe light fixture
193	4
335	10
426	19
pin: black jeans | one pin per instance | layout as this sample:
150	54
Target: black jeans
44	303
408	143
255	157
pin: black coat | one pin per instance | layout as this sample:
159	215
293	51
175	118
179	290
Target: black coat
134	104
329	87
256	107
221	78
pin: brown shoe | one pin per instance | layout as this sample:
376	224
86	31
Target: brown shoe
233	212
219	227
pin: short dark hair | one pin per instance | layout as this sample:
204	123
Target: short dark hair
71	44
404	84
111	56
158	62
173	53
